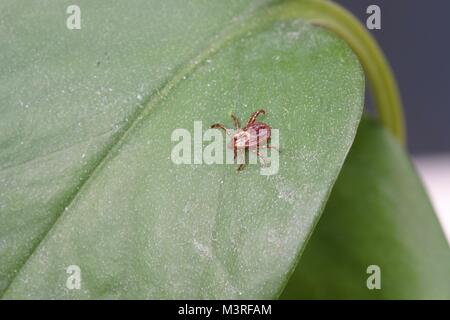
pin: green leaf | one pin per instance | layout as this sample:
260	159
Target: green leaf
378	214
85	169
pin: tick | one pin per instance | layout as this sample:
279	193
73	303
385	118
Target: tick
254	136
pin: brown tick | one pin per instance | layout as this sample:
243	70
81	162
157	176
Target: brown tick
253	136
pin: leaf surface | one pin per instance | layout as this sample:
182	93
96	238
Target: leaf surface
86	171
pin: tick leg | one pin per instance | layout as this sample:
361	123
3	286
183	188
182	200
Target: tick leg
241	167
236	122
260	156
254	115
219	126
269	147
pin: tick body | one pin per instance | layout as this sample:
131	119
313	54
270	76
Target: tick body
254	136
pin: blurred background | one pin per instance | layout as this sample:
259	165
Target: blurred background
415	38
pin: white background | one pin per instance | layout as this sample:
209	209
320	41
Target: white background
435	173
